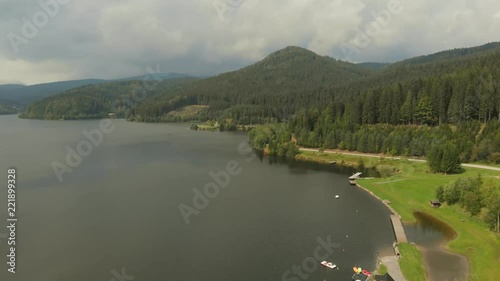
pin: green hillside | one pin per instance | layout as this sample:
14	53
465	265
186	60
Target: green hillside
97	101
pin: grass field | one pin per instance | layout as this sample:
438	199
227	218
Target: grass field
411	263
409	190
382	269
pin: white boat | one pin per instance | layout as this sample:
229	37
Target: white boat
355	176
328	264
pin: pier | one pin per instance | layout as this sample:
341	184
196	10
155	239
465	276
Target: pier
399	231
355	176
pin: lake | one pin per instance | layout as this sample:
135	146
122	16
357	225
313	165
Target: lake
117	214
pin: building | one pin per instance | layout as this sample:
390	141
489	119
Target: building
435	203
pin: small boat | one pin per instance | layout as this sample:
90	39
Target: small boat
337	197
355	269
355	176
328	264
332	162
352	182
366	272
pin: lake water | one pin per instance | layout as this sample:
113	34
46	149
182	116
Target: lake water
119	208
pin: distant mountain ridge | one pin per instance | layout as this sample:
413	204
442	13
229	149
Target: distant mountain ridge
293	78
451	54
23	95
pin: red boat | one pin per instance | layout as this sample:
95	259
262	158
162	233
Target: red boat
366	272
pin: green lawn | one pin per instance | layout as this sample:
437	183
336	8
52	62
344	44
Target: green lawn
411	262
412	189
342	159
382	269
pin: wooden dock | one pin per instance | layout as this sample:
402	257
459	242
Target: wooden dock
399	231
355	176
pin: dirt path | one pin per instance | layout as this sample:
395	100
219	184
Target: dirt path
443	265
333	151
393	268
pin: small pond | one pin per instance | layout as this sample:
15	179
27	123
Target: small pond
431	235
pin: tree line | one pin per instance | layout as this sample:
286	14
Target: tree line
479	197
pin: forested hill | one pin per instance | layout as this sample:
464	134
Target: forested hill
24	95
98	100
452	54
460	85
447	87
8	107
276	86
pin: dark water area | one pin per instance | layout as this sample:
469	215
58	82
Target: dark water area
333	168
430	235
119	209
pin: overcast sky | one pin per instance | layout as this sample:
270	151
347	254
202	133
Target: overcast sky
119	38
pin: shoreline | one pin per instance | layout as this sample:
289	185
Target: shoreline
383	156
388	261
464	260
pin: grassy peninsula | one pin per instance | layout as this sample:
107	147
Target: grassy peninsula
409	186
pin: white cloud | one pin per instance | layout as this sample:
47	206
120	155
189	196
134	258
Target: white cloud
20	71
116	38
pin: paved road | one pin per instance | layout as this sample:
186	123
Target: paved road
393	268
397	158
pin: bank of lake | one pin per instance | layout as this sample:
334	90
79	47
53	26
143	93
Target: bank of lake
409	186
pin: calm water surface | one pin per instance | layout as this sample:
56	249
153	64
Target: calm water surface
119	208
430	235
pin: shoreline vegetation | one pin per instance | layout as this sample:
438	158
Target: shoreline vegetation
409	185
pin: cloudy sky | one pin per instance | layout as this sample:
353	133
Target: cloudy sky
46	40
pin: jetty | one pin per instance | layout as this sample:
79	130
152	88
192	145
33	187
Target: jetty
399	230
355	176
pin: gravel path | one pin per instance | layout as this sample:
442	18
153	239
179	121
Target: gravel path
393	268
396	158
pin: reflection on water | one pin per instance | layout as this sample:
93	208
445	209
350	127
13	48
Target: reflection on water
430	235
298	166
119	208
429	231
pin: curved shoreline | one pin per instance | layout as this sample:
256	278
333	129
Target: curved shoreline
443	247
